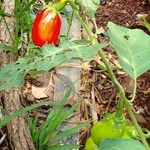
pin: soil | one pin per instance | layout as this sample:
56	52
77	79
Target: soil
124	13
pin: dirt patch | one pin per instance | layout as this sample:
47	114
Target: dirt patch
122	12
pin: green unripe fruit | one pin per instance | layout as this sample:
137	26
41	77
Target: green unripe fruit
90	145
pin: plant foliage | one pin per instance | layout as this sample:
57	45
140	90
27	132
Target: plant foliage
48	136
121	144
132	47
90	6
12	75
8	118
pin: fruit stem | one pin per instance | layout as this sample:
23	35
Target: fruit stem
58	6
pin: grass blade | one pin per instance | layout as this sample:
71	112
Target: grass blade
9	118
69	132
4	47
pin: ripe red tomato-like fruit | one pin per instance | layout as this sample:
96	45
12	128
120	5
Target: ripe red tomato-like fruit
46	27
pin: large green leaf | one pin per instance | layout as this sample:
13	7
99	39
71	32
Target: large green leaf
132	47
90	6
12	75
121	144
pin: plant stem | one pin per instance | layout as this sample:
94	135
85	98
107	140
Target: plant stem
86	27
127	105
112	76
59	5
119	117
70	24
138	128
134	91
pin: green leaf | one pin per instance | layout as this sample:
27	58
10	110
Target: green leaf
121	144
67	13
64	147
12	75
33	128
54	119
90	6
67	81
70	111
25	20
9	118
132	47
4	47
2	13
47	133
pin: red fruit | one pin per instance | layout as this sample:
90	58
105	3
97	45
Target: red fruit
46	27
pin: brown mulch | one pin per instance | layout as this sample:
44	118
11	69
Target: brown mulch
122	12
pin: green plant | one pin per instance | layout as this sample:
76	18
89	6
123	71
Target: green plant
130	132
48	136
90	145
127	44
131	45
